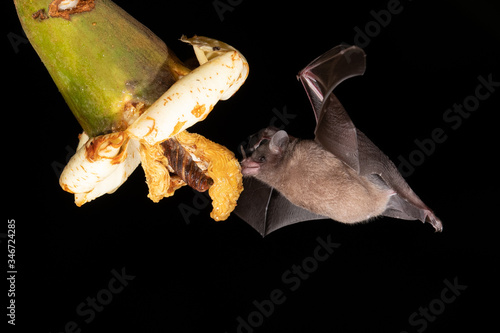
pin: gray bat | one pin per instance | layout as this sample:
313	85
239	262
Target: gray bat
340	174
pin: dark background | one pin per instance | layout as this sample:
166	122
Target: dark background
202	275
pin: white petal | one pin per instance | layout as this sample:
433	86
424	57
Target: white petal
190	99
111	183
93	162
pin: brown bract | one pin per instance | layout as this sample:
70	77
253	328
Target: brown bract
183	165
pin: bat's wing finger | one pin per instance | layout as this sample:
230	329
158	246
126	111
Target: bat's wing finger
252	204
281	213
266	210
324	73
336	132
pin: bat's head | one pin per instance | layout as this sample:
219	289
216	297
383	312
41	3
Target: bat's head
264	152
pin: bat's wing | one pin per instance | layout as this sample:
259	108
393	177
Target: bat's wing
405	204
336	132
327	71
267	210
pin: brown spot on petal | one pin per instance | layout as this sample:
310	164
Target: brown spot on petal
177	127
167	100
198	110
206	114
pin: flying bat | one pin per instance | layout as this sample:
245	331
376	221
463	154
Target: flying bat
340	175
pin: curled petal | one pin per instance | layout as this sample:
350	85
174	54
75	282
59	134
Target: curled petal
114	180
100	165
155	166
96	159
191	99
207	49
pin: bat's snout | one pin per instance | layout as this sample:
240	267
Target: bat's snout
249	167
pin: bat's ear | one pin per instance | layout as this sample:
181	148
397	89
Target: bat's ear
278	142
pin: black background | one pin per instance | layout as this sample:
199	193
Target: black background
202	275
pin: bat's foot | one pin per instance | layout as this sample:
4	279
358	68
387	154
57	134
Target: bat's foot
434	221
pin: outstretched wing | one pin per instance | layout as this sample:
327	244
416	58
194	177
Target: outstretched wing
336	132
405	204
327	71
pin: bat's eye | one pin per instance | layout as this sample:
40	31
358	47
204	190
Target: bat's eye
262	159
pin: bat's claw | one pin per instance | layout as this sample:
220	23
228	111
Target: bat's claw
434	221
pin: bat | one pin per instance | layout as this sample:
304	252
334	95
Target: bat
340	175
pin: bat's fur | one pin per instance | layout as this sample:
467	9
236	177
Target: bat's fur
313	178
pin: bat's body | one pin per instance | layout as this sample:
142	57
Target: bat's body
311	177
340	175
